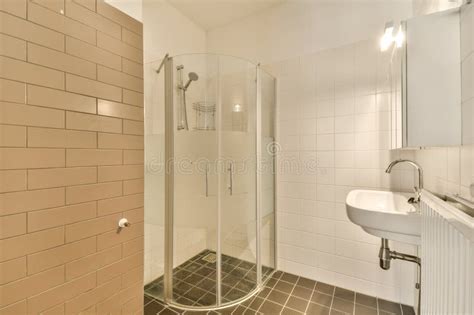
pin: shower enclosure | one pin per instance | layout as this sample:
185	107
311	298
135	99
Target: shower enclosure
219	218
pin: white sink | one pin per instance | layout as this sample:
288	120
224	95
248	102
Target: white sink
385	214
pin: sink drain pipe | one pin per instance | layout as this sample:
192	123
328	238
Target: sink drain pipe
386	255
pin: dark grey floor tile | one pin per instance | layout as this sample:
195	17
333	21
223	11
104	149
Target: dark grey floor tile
200	255
225	289
289	311
344	294
252	312
302	293
408	310
247	302
389	306
284	286
207	284
366	300
227	268
192	267
195	294
269	307
245	285
251	276
321	298
278	297
297	304
264	292
146	300
168	311
277	274
181	287
239	310
271	282
316	309
176	310
195	313
246	265
256	303
227	311
193	279
239	272
208	299
364	310
235	294
225	258
343	305
230	280
204	271
152	308
182	274
266	268
281	294
156	292
288	277
325	288
184	301
306	283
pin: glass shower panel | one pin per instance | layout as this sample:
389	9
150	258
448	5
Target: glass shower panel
154	176
195	180
219	182
237	145
269	148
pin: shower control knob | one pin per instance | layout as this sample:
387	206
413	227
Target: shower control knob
123	223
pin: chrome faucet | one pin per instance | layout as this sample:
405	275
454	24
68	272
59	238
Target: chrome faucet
420	177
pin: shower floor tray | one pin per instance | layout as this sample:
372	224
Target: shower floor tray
195	280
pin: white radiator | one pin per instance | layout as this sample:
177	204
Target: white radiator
447	259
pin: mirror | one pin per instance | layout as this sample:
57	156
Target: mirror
426	82
467	69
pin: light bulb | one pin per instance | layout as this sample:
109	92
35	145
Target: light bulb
400	38
385	43
237	108
387	37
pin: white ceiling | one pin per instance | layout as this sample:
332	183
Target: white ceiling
130	7
209	14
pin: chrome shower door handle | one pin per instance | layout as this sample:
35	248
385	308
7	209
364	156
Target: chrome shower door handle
207	179
231	177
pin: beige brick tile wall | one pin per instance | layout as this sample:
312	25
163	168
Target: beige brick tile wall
71	158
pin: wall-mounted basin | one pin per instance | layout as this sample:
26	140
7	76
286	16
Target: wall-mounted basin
385	214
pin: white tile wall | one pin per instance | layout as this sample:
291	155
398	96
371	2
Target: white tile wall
334	112
346	90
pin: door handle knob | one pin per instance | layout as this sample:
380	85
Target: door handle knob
123	223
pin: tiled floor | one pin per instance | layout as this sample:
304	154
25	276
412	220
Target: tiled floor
289	294
195	281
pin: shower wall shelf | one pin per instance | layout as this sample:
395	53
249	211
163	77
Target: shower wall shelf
205	116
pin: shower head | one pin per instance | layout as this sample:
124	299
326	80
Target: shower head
192	77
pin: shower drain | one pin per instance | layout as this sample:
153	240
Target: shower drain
210	258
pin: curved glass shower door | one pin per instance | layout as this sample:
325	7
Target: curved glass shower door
212	219
238	192
194	144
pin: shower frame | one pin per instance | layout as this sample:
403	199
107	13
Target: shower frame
169	195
